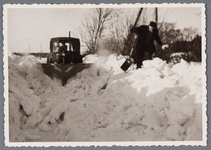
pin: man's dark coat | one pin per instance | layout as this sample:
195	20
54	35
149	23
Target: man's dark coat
144	42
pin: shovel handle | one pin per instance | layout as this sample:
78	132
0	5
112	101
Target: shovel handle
131	52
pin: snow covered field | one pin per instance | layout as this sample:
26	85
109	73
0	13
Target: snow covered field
160	102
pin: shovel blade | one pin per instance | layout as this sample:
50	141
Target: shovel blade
126	64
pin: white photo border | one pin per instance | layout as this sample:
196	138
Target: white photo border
124	143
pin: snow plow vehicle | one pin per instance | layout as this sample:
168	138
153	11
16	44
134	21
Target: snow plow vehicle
64	60
64	50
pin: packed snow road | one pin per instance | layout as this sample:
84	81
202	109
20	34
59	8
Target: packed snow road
160	102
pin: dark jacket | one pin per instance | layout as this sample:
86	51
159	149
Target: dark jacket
145	38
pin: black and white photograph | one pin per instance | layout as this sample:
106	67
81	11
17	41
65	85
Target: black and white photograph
104	75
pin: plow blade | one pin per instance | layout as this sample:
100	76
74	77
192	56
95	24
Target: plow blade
63	71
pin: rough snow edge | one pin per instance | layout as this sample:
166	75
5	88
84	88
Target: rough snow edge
123	143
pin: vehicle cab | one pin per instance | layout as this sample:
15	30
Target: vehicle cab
64	50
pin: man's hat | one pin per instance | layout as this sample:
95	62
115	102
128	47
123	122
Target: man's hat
153	24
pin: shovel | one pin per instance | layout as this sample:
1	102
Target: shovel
127	62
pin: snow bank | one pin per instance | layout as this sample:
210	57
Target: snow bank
159	102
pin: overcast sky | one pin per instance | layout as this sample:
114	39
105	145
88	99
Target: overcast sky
32	28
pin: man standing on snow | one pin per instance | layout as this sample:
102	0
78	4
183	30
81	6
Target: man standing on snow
144	43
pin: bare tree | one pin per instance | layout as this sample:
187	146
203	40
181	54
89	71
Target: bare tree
93	28
120	29
189	34
113	26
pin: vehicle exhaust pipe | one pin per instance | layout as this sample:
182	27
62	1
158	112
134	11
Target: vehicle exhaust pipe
70	45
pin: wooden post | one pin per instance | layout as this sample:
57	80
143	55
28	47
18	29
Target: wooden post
129	36
137	18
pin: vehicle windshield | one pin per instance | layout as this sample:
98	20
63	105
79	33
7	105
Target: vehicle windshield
61	46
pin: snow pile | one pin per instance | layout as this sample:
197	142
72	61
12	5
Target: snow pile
159	102
110	62
26	82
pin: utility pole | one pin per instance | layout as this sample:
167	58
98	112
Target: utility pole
156	14
40	47
29	45
40	50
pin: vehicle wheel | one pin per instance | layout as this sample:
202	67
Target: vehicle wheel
79	59
49	60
